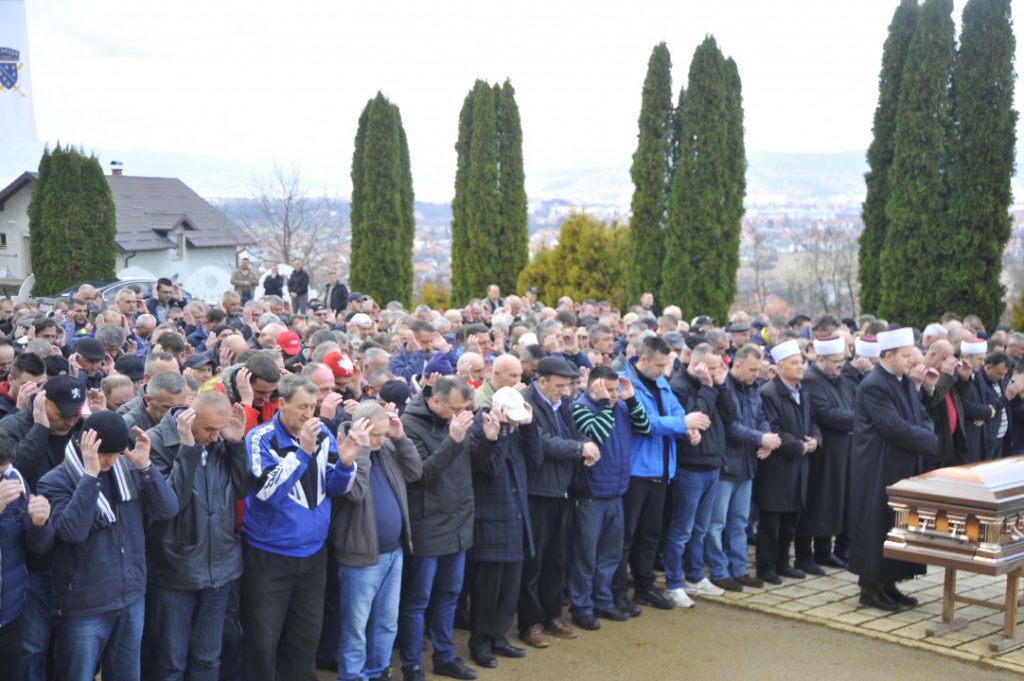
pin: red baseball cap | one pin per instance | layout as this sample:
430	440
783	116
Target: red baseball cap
290	343
340	364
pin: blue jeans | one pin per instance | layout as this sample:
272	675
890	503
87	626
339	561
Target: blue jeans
435	581
186	632
728	558
38	623
369	616
113	637
597	550
693	497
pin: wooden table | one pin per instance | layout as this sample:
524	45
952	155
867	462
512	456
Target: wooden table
1008	607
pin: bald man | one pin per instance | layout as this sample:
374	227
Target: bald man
507	372
471	368
945	403
200	452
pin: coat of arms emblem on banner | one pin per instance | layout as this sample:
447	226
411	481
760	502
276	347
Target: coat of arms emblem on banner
9	67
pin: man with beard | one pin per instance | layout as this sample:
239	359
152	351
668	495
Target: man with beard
832	401
891	436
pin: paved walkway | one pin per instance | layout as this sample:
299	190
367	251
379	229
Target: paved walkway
832	600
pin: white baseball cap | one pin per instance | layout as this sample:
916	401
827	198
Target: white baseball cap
511	402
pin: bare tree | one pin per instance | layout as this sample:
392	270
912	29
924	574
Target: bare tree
761	263
832	265
289	224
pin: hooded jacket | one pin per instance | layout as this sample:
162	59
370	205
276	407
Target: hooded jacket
441	506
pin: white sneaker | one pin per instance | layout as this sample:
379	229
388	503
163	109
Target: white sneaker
704	588
680	598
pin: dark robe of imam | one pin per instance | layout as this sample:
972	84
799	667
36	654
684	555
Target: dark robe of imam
892	436
832	402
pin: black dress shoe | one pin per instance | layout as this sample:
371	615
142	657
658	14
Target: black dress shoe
413	674
614	614
770	577
874	598
482	658
588	622
832	561
791	572
505	649
894	594
626	605
456	669
653	598
810	567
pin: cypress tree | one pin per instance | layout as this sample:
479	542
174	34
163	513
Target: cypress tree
483	199
916	257
983	159
460	217
382	218
514	237
71	222
880	153
702	234
650	173
489	214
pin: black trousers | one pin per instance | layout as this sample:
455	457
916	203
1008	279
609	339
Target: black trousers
775	533
540	594
10	648
813	548
330	631
642	509
494	593
282	610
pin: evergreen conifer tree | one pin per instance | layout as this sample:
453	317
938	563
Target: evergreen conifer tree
489	211
880	153
701	252
72	224
382	205
983	160
917	256
651	172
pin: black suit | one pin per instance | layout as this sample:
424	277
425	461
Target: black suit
336	296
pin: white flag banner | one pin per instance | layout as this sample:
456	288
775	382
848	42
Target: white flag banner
17	120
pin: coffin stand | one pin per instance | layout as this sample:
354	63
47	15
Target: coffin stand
964	518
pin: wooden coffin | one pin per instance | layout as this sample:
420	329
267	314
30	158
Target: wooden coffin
964	517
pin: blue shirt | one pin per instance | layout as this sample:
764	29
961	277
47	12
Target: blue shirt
385	507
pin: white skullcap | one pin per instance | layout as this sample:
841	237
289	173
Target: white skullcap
900	338
866	347
784	350
974	346
833	345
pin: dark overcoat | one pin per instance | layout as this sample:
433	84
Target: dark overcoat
832	402
780	485
891	437
501	528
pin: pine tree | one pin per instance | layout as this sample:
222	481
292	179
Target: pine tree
72	224
701	254
514	238
880	153
983	159
489	211
651	177
917	256
382	205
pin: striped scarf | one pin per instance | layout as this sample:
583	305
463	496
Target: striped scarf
122	470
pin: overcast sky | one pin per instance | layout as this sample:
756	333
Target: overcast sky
284	82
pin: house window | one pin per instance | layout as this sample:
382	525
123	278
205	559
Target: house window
3	240
180	253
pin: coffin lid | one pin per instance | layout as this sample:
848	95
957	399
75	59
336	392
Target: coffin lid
990	485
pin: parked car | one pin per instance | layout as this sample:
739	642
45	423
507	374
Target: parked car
109	288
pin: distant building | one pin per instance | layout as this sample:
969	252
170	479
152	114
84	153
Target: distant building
162	226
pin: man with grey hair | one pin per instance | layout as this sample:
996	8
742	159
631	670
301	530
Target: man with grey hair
287	514
932	333
165	391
